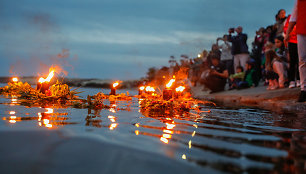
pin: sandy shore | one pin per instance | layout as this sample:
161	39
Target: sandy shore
281	100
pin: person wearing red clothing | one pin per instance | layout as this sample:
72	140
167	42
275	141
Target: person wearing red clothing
293	74
298	18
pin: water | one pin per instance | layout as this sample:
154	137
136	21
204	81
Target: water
228	140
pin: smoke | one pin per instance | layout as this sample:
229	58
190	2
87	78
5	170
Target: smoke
43	22
45	47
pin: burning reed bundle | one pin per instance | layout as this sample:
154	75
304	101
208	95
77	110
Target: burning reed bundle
97	101
30	96
15	88
173	106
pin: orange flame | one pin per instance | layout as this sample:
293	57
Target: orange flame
41	80
150	89
180	89
51	74
48	79
15	79
141	88
170	83
115	84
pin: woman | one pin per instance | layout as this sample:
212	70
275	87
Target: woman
275	70
279	25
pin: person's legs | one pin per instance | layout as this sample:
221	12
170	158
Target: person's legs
236	61
302	60
293	63
243	60
302	65
229	66
208	82
243	84
214	83
278	67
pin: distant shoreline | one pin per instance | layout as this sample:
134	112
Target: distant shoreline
78	82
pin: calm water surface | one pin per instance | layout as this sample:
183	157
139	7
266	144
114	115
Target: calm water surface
227	140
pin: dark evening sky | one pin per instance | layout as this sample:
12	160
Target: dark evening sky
118	38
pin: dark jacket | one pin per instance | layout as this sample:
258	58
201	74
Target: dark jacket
239	44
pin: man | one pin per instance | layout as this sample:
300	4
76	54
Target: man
226	55
215	78
239	47
298	18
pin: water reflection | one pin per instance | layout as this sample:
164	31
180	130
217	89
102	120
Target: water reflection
44	118
235	141
47	119
93	119
14	100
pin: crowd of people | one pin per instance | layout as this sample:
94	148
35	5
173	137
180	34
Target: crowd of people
274	59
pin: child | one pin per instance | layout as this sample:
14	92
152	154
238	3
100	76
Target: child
275	70
280	48
250	77
236	78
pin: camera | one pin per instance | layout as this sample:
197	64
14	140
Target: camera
231	30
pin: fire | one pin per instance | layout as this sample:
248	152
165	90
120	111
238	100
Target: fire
141	88
170	83
48	79
41	80
15	79
115	84
180	89
51	74
150	89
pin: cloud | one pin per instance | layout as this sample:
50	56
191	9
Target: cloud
111	36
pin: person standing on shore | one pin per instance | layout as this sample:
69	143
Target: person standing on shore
280	21
226	55
294	76
298	18
239	47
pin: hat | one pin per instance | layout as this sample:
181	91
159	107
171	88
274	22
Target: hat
251	62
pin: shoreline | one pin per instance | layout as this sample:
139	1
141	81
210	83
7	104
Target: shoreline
280	100
78	82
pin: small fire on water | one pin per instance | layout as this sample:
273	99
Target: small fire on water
170	83
180	89
113	88
15	79
141	88
115	84
48	79
43	83
150	89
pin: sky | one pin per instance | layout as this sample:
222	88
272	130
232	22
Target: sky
118	39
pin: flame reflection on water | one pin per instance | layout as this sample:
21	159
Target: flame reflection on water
244	140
